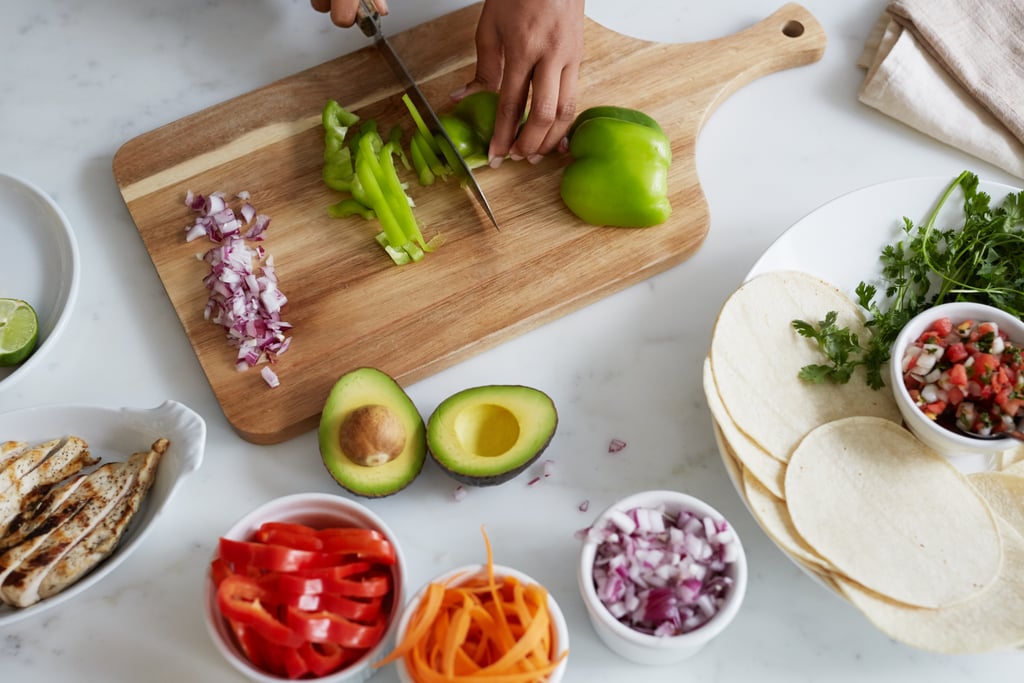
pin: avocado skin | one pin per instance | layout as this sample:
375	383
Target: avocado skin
365	386
515	422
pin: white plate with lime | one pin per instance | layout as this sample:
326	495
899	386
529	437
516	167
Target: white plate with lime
40	268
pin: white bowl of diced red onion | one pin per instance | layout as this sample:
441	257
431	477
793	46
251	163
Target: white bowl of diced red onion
937	379
661	574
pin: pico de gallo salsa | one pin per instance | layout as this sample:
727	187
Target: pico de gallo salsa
966	376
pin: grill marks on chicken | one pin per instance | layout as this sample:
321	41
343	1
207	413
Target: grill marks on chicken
61	527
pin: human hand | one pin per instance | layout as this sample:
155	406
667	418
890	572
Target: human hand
343	12
530	44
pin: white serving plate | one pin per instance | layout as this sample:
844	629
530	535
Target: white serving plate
40	264
114	434
841	242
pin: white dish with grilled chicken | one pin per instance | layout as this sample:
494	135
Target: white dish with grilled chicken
80	487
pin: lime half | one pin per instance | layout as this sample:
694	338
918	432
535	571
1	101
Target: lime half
19	331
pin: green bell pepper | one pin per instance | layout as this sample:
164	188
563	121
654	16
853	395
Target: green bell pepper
619	173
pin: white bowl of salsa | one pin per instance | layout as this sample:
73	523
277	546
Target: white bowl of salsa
956	368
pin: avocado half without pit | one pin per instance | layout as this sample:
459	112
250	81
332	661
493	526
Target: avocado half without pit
372	438
487	435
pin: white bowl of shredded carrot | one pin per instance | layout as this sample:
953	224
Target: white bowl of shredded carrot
479	623
661	574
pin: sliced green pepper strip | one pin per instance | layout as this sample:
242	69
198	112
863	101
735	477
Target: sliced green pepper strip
393	191
350	207
420	165
420	123
395	138
336	119
368	170
337	170
399	256
437	167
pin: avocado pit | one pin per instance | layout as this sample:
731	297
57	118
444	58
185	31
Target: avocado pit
371	435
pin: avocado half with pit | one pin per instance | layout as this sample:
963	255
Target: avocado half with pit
372	438
487	435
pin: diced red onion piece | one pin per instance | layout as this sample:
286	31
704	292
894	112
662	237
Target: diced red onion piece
616	445
548	468
583	506
270	377
459	493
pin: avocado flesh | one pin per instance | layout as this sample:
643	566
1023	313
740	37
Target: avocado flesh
363	387
487	435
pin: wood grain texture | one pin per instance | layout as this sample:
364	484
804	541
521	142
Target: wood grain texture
349	305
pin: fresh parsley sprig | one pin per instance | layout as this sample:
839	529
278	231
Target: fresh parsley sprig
981	261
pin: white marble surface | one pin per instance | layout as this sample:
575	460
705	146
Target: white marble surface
78	79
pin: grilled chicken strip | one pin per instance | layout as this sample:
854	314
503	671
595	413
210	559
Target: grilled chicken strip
64	461
23	462
21	585
95	546
47	511
9	449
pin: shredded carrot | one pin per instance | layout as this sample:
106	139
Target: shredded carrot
480	629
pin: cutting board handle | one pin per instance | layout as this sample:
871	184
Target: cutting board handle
787	38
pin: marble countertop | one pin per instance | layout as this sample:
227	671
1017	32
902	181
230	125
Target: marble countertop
79	79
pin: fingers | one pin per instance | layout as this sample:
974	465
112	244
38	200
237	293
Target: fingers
552	110
343	12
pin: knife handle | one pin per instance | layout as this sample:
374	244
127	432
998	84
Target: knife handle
368	18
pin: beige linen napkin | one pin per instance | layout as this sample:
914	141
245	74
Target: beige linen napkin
953	69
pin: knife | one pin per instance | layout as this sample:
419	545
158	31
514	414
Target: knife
368	20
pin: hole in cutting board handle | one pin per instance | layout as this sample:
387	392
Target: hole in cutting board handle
793	29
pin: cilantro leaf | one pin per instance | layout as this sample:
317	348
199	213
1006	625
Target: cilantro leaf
836	344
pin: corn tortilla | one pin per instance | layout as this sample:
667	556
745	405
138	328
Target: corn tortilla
756	355
773	516
891	514
1004	493
770	471
991	621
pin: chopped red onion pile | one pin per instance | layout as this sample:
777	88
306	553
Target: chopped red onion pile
660	573
244	298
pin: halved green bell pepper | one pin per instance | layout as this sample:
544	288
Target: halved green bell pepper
619	173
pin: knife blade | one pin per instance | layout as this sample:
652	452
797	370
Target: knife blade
368	20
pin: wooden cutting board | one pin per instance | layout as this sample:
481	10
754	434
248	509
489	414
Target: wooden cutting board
349	305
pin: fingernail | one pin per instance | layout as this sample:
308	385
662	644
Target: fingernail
459	93
515	157
535	158
495	162
563	144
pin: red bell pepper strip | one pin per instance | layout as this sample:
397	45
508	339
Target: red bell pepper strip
326	658
239	600
290	539
249	642
276	558
371	586
293	527
327	627
312	581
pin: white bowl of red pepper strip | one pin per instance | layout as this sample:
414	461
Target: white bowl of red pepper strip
661	574
306	586
955	369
